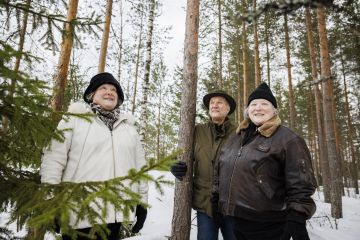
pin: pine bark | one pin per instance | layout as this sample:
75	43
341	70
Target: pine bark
146	81
256	50
353	164
328	100
319	110
267	48
220	80
60	80
105	37
288	65
245	59
181	222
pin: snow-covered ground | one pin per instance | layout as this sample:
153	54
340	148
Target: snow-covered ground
320	227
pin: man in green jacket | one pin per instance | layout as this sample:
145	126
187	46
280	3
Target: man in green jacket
208	139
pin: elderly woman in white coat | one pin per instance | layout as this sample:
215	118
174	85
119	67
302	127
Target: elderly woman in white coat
105	148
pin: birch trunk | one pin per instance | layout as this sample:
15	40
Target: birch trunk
146	81
181	221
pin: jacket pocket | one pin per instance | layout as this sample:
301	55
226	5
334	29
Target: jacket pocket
264	186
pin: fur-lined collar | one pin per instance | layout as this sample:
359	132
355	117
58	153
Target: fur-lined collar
84	108
267	129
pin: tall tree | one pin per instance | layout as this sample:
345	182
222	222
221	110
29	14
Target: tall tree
146	80
181	222
5	121
353	168
220	80
60	80
328	100
245	57
105	37
318	107
267	26
256	50
288	65
138	57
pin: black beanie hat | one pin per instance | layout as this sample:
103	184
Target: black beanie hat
100	79
262	91
220	93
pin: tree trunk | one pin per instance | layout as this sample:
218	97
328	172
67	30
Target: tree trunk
120	41
267	47
181	222
60	80
158	125
137	63
319	110
220	81
105	37
239	84
245	59
256	50
5	120
328	99
353	168
288	65
146	81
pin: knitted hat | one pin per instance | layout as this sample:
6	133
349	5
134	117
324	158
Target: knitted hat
262	91
100	79
220	93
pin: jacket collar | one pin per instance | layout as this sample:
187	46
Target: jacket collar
266	130
221	130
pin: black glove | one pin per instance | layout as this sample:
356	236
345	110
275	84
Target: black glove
179	169
140	214
296	227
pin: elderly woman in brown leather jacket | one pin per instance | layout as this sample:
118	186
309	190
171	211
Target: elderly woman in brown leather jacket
265	177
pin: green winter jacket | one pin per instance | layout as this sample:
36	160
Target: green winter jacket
208	141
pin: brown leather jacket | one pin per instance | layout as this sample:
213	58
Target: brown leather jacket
267	176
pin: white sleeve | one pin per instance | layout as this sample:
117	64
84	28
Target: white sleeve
55	156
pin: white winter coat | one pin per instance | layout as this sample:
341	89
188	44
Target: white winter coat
91	152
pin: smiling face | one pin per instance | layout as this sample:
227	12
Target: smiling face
218	109
260	110
106	96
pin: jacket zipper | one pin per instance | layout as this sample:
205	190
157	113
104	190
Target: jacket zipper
231	178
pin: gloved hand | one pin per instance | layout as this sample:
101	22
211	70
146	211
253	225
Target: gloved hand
140	214
179	169
296	227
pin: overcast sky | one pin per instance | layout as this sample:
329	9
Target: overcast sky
173	14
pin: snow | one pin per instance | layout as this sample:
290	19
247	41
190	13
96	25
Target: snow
321	227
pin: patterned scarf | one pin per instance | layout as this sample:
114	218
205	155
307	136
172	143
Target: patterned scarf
108	117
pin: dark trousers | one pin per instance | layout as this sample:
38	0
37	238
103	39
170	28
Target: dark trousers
113	235
208	230
253	230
